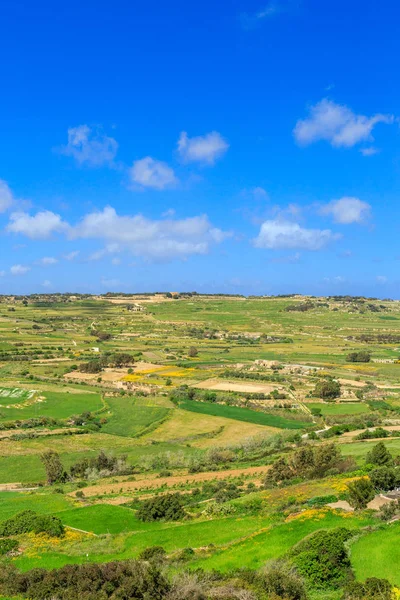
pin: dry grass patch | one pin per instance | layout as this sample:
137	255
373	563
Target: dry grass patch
209	430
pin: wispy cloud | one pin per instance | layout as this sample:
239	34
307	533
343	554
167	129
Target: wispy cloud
151	173
90	146
269	10
203	149
347	210
19	270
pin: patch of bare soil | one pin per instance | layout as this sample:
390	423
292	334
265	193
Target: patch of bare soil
151	483
227	386
352	382
342	504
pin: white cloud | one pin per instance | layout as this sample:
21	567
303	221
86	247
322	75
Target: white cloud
90	146
347	210
381	279
116	261
40	226
152	173
6	196
273	8
370	151
71	255
205	149
19	270
280	235
336	124
46	284
2	273
48	260
159	239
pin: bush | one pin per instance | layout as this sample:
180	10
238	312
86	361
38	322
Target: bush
384	478
119	579
372	589
153	553
27	521
168	507
281	579
8	545
322	557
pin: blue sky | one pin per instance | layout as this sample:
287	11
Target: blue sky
241	146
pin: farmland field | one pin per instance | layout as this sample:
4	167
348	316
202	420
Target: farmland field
242	414
196	400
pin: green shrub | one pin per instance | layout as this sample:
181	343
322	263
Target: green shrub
279	579
119	579
7	545
372	589
322	557
379	455
168	507
360	492
27	521
153	553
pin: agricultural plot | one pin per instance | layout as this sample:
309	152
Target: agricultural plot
130	417
243	414
101	518
339	408
235	386
59	405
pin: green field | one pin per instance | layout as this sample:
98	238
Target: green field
345	408
101	518
274	542
130	417
377	554
58	405
242	414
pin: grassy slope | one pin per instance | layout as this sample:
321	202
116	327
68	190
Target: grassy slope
378	554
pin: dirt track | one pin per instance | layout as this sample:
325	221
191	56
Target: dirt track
141	484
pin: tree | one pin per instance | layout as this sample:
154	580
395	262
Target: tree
383	478
359	357
360	492
53	466
122	359
328	389
193	352
379	455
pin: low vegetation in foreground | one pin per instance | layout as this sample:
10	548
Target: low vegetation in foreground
192	447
